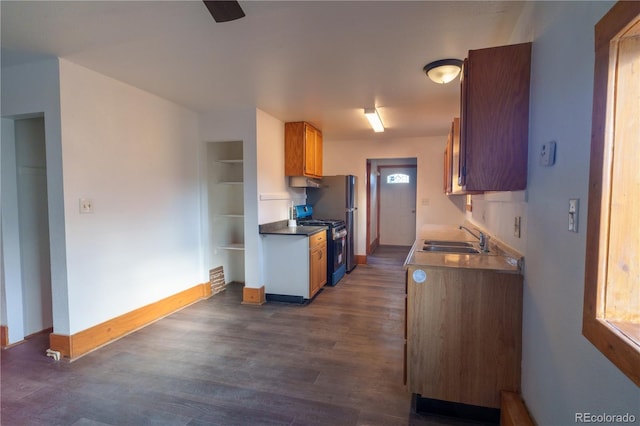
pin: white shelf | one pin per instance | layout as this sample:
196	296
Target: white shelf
232	246
225	187
230	161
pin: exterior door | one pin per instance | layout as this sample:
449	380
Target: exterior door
398	205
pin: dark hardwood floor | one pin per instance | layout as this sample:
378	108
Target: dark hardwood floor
336	361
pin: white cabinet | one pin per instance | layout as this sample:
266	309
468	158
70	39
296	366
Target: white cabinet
226	208
295	266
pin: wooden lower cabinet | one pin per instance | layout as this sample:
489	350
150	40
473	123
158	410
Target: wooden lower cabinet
317	262
464	334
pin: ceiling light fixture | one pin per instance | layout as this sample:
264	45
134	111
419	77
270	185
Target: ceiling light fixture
374	119
443	71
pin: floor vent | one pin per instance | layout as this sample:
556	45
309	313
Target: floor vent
216	278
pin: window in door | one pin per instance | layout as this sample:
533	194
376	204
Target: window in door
398	178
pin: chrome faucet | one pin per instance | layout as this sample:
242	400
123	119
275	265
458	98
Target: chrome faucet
484	238
469	231
484	242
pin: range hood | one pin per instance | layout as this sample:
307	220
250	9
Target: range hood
303	182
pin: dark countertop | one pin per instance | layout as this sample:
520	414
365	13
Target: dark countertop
281	228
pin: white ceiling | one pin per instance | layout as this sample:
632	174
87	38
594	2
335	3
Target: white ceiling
319	61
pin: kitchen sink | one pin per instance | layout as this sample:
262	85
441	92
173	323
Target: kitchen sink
448	249
448	243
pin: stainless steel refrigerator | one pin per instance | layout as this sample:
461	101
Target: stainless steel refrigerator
336	199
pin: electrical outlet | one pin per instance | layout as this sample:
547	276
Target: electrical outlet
86	205
516	227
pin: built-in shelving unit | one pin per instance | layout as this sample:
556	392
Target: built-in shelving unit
232	246
226	207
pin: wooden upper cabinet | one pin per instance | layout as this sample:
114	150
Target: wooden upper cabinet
318	150
494	119
452	160
447	167
302	150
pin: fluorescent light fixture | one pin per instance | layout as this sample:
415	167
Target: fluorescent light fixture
443	71
374	119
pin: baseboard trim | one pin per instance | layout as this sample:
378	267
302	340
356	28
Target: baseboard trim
361	259
4	336
253	296
85	341
374	245
456	410
513	411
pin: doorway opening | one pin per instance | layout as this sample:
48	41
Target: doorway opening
26	283
391	202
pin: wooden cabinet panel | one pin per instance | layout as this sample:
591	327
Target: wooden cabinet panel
309	151
302	150
448	165
452	160
318	156
464	335
317	268
317	262
495	119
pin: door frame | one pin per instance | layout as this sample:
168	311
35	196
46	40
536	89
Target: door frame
372	245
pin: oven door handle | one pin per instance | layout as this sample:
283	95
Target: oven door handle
340	234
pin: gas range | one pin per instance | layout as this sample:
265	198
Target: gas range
304	215
331	223
336	241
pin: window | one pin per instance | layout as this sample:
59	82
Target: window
398	178
611	316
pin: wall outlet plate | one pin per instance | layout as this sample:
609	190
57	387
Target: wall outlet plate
548	154
86	205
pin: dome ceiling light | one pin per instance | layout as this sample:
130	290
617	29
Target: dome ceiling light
443	71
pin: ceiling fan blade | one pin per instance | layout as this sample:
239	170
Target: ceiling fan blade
224	11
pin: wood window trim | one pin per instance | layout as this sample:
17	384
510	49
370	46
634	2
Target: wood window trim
622	350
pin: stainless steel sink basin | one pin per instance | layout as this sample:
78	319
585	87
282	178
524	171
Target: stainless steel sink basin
449	249
448	243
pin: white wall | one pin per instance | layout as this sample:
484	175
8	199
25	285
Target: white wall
12	306
562	373
135	156
274	194
496	211
28	90
433	206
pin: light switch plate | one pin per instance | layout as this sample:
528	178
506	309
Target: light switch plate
548	154
574	208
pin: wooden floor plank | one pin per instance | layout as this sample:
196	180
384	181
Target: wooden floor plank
336	361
